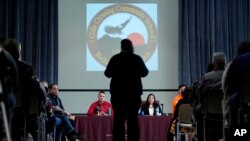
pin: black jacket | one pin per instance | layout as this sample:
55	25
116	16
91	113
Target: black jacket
145	108
125	70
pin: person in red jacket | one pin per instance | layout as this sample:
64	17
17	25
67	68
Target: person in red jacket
100	107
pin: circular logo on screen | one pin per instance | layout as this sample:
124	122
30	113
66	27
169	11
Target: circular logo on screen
115	22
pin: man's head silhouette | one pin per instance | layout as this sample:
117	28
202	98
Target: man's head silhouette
127	45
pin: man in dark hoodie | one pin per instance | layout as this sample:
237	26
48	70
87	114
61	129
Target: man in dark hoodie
125	70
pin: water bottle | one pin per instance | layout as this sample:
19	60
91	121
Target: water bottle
97	110
109	111
157	111
142	113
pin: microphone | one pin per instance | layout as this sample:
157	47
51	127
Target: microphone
97	108
162	108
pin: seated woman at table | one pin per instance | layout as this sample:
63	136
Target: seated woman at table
151	107
100	107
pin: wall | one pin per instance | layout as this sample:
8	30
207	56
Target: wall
79	102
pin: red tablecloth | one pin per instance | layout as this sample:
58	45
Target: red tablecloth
97	128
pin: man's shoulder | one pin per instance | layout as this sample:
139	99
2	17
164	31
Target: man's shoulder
94	103
116	55
125	55
50	96
177	98
25	68
243	62
23	64
107	103
212	74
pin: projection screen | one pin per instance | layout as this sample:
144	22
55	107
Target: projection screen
90	32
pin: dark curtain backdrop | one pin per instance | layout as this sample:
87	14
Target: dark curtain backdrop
34	23
208	26
205	26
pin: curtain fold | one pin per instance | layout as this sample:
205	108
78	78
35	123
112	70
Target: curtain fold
208	26
34	23
205	26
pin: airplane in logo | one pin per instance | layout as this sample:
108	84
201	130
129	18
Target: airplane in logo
117	29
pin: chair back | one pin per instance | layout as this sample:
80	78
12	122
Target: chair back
143	102
213	119
185	113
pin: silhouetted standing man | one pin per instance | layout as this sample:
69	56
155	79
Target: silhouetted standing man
125	70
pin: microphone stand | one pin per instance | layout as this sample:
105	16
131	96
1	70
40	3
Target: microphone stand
162	108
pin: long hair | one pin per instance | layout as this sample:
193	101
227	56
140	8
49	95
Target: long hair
147	103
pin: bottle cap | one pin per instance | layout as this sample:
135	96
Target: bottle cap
142	113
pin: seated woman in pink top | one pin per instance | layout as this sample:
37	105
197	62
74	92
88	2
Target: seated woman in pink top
100	107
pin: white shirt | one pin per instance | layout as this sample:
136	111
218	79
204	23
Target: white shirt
151	111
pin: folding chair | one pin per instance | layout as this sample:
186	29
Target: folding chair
185	126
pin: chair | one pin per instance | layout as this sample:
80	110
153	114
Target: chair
185	113
143	102
56	135
213	119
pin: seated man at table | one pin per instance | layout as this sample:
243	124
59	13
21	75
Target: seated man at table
100	107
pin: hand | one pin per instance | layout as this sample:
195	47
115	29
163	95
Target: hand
67	113
103	113
58	108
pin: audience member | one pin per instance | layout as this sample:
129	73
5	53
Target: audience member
46	85
67	125
51	119
209	67
100	107
236	85
186	94
29	94
178	97
125	70
210	83
8	80
151	107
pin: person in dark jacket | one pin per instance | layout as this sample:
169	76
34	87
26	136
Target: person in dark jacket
67	125
235	85
151	107
125	70
28	95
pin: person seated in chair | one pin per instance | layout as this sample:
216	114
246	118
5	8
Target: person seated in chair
178	97
67	124
186	95
100	107
151	107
